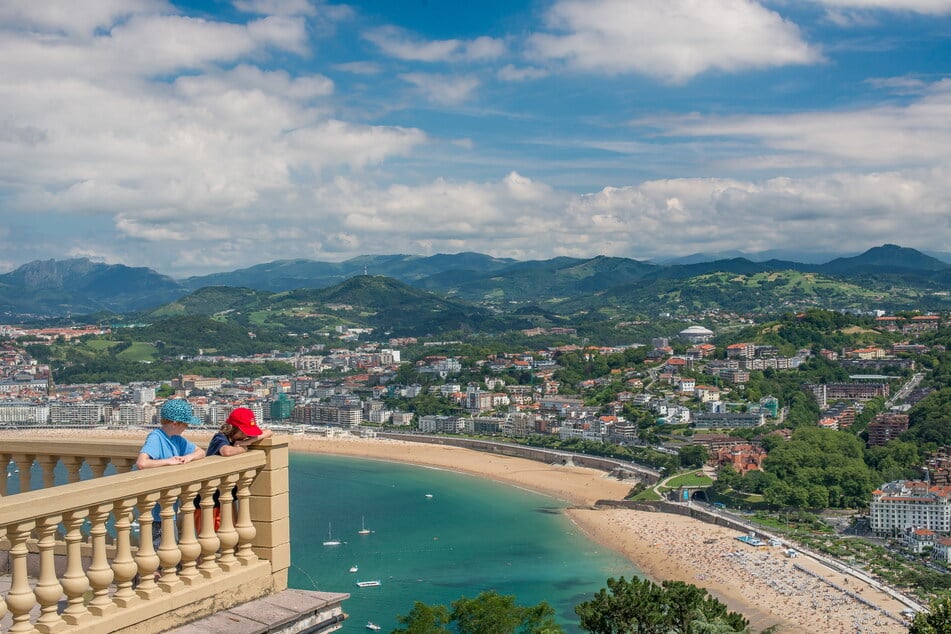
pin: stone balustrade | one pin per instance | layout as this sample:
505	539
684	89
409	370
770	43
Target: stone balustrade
75	561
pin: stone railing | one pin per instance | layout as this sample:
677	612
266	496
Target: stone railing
74	560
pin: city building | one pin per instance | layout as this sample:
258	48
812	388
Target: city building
726	420
905	504
886	426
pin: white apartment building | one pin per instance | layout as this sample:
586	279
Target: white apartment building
76	413
402	419
437	424
23	412
142	395
905	504
133	414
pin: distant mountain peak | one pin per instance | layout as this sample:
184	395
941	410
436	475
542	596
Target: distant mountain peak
890	256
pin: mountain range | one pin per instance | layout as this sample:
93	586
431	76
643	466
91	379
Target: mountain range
468	284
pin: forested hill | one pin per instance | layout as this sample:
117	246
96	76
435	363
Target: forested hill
894	277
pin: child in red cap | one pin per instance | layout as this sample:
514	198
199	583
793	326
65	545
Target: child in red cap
232	438
237	432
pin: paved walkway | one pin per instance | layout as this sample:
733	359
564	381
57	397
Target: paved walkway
287	612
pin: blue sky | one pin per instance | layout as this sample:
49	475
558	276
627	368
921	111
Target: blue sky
195	137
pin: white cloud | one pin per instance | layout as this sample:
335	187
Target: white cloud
510	72
85	130
899	85
673	40
443	89
75	18
403	45
916	134
360	68
484	48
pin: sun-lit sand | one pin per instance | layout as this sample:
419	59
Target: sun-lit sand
761	583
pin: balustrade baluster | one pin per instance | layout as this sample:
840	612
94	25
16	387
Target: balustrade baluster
48	589
123	566
20	597
24	463
97	465
123	465
245	528
72	464
146	558
207	537
99	571
168	552
226	532
187	543
48	465
74	580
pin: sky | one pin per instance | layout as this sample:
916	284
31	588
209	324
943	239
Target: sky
199	137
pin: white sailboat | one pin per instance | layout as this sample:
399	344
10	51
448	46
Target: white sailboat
363	527
354	568
330	541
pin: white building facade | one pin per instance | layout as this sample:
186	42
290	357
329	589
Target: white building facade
905	504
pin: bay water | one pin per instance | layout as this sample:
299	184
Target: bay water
435	536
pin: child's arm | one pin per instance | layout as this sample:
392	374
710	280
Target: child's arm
195	455
240	446
145	461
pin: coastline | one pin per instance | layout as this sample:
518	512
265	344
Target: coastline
768	588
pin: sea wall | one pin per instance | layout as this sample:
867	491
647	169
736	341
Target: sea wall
691	510
619	468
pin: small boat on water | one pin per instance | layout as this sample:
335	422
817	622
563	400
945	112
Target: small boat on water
330	541
369	584
354	568
429	496
363	527
373	626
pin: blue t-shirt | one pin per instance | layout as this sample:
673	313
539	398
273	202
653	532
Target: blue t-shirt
218	441
159	445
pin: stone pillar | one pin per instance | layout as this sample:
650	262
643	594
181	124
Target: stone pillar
270	510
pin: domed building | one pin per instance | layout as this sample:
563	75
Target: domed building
696	334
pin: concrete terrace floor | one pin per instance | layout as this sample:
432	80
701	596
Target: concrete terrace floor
288	612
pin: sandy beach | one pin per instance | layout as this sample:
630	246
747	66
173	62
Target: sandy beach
763	584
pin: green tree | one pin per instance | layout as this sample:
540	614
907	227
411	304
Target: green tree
165	391
693	455
640	605
936	621
493	613
424	619
488	613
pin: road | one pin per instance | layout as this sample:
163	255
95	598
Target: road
905	389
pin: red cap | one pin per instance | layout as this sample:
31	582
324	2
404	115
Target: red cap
243	419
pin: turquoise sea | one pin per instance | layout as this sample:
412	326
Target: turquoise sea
470	535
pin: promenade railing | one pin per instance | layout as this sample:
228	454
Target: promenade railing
88	556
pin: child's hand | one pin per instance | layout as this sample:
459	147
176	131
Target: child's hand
176	460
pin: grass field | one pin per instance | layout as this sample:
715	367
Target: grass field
139	351
689	480
99	345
